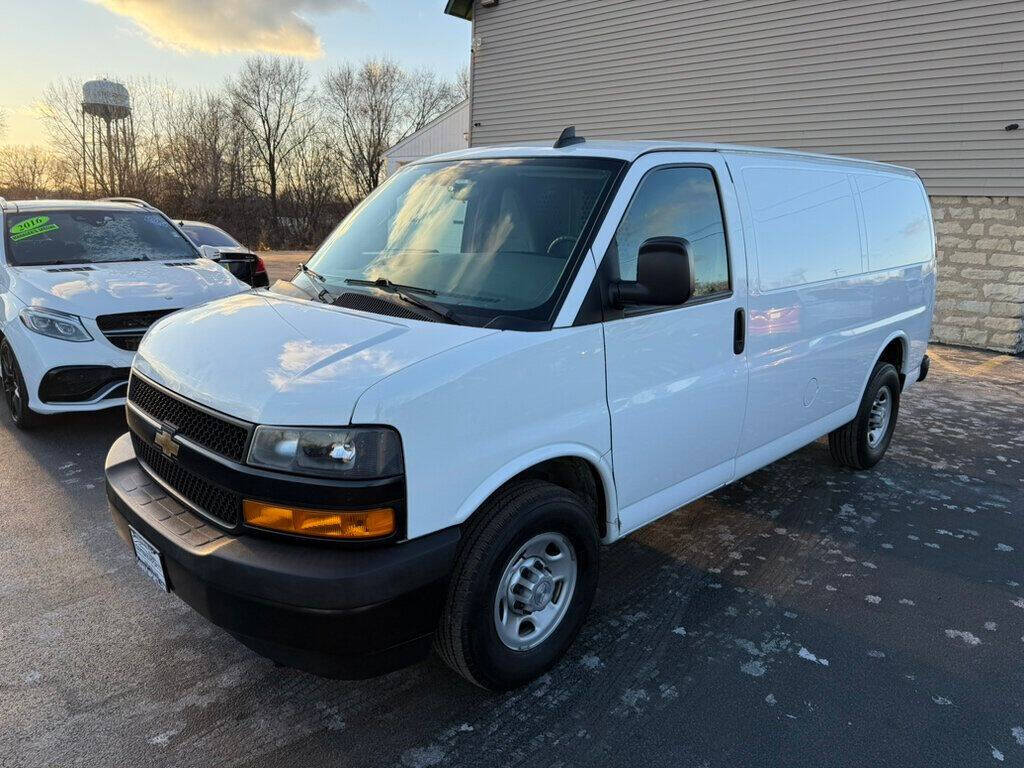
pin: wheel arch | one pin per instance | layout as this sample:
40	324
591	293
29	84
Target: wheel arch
574	467
894	349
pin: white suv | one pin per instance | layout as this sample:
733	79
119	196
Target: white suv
501	359
80	283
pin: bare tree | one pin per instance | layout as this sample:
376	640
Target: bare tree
427	96
314	183
377	105
3	123
268	98
463	83
25	171
60	110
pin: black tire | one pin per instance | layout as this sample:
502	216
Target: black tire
850	445
15	393
467	638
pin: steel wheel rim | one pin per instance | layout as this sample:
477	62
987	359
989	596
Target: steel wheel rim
879	417
9	377
535	591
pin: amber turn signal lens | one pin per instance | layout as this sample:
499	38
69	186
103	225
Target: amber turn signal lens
364	524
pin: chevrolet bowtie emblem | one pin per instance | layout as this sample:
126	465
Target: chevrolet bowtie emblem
165	442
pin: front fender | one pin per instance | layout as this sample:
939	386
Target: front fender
558	451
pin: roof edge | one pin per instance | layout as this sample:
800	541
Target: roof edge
461	8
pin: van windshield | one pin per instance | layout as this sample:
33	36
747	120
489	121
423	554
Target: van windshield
491	237
92	236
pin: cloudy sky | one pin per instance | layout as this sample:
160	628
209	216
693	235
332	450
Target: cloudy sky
200	42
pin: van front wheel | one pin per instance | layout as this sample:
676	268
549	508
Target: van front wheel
522	585
862	443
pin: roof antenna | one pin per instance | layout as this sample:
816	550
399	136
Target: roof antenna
568	137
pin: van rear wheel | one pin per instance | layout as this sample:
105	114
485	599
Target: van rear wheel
522	585
861	443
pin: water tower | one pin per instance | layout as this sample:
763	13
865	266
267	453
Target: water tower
108	136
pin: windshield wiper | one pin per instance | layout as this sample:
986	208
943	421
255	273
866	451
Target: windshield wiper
324	294
406	293
313	272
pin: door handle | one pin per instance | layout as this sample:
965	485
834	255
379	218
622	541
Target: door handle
739	331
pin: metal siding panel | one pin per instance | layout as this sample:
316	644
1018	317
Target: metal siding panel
924	83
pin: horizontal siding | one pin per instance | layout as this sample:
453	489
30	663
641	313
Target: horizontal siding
924	83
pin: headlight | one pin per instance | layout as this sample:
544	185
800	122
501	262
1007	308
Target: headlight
356	453
57	325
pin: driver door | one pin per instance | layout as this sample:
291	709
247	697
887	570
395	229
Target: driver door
676	378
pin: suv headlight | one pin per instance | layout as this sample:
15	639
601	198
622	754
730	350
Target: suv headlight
57	325
345	454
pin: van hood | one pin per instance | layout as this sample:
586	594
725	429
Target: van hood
271	359
100	289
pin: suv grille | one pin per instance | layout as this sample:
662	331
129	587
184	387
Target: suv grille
220	436
219	503
126	330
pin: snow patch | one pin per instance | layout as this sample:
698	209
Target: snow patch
942	701
423	757
997	754
967	637
754	668
1018	733
873	599
990	626
770	699
590	661
163	739
803	653
1003	548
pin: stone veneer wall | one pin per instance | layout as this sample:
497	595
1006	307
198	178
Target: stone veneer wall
980	254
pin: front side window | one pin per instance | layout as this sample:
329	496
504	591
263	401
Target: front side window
676	202
91	237
490	237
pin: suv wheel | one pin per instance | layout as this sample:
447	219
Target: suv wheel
862	443
15	392
522	585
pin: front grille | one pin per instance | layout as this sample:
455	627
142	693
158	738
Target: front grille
126	330
215	434
219	503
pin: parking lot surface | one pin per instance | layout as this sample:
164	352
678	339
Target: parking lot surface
803	616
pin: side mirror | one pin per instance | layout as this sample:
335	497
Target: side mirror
664	275
209	252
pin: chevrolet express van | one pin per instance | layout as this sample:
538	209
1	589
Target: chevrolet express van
502	359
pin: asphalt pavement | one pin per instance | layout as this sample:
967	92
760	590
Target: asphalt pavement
804	616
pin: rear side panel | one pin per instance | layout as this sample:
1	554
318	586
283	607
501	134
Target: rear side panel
841	262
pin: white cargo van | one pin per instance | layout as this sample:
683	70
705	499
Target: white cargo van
501	359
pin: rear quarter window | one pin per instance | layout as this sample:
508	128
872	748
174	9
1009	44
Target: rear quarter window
805	225
896	221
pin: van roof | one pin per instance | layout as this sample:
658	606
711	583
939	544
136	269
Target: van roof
631	150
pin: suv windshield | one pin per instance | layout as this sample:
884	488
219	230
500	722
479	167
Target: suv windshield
491	237
88	236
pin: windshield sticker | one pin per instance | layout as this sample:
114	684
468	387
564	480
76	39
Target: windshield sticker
32	227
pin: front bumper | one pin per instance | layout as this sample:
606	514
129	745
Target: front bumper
337	612
39	355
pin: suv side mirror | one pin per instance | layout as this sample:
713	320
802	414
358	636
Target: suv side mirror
664	275
209	252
